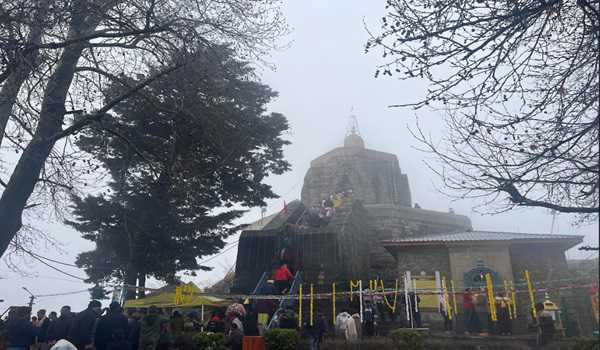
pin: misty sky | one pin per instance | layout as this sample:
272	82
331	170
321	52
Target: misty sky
321	77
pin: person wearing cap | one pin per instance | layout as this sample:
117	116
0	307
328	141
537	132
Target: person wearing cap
82	326
112	328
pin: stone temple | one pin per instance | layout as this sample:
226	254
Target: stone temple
376	231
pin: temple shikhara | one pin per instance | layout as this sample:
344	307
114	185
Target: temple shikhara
356	220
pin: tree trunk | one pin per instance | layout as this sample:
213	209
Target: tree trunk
26	173
141	293
12	84
130	282
8	96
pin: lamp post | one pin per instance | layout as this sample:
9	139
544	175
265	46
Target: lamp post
31	297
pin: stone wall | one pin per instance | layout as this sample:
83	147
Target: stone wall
338	251
373	176
392	222
493	256
545	262
423	259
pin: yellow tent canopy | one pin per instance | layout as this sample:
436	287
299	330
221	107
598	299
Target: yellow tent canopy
186	295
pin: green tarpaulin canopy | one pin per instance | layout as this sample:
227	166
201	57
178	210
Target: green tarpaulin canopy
166	298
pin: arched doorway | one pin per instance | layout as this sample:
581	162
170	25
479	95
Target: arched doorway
475	278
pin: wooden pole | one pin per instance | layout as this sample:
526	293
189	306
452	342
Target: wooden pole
333	302
312	304
300	306
531	294
454	297
513	296
360	299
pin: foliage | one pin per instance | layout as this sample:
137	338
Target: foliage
206	144
407	339
209	341
372	343
98	293
282	339
57	58
587	344
519	84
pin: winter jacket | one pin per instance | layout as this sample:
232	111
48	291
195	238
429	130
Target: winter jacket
20	333
283	274
82	328
111	328
59	329
43	326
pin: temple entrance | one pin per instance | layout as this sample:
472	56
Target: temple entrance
475	278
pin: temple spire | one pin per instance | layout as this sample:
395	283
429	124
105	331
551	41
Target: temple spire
352	128
353	138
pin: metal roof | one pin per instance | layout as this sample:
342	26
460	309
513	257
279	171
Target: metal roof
474	236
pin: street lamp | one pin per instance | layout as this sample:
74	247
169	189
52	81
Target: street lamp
31	297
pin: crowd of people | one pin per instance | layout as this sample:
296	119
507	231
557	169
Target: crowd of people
156	329
318	213
112	329
477	317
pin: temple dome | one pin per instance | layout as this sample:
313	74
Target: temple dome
354	141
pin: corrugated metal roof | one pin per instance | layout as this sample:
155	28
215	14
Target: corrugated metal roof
469	236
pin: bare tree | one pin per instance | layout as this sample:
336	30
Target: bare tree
518	81
59	75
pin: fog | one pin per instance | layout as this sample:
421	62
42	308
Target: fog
322	78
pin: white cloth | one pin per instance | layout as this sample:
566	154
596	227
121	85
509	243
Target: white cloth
443	306
340	320
239	324
63	345
350	331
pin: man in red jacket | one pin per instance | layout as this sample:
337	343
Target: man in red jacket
283	278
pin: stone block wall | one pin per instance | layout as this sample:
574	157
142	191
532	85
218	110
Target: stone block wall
544	262
392	222
373	176
493	256
337	252
423	259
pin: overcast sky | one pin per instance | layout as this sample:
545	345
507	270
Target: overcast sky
321	77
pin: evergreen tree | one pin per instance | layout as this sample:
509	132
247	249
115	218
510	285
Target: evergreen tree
182	165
